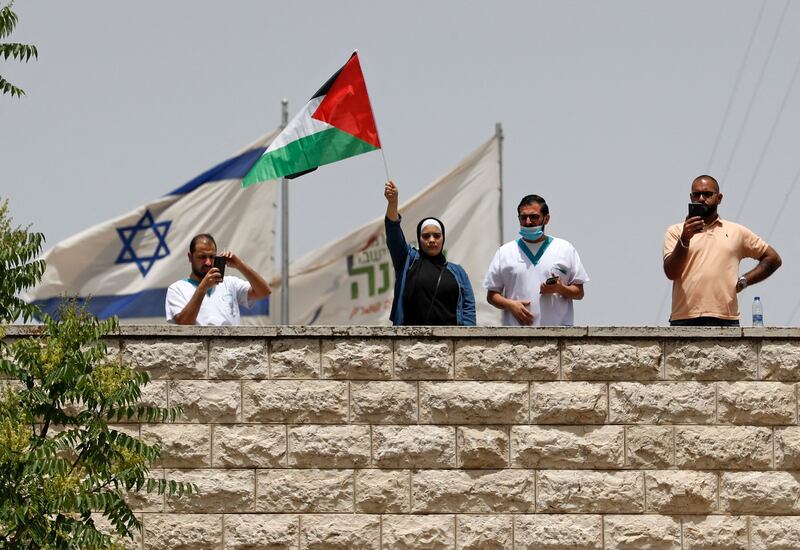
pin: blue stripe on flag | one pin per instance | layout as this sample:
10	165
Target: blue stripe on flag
231	169
147	303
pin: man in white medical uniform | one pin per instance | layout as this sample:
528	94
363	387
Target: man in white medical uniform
535	278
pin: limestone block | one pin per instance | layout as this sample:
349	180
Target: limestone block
482	447
586	491
662	403
723	447
760	492
340	532
473	402
436	491
680	492
357	359
427	360
118	541
414	446
492	360
182	445
413	532
383	402
774	533
780	361
569	403
717	532
207	401
757	403
312	491
611	360
249	446
558	532
483	532
383	491
142	501
329	446
154	394
183	531
218	491
113	348
553	447
733	359
642	532
251	531
300	401
237	359
649	446
167	359
787	448
295	358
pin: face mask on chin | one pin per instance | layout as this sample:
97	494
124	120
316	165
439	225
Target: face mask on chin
532	233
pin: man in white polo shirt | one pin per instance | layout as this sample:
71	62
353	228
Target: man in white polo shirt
205	297
535	278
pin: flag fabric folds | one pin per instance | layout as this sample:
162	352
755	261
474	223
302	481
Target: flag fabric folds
351	281
335	124
126	264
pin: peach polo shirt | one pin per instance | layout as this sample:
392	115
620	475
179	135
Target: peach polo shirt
707	285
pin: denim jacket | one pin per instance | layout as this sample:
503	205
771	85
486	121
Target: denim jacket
403	256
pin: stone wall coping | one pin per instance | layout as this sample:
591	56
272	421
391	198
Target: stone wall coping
300	331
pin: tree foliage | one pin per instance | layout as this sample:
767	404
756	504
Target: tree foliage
20	52
61	465
19	268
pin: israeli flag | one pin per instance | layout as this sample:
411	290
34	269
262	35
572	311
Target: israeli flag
124	265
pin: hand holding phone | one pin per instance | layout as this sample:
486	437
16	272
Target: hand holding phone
220	262
551	280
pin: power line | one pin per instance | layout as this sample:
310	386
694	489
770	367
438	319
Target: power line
755	92
785	201
735	89
775	225
769	139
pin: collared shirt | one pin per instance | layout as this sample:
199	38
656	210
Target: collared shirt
707	285
513	275
220	305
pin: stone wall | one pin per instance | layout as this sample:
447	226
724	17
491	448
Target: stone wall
473	438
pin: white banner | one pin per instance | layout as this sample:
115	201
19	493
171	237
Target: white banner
125	265
351	281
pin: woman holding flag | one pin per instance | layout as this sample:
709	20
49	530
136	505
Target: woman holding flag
428	290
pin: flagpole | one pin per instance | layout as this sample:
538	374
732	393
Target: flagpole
284	228
498	132
383	156
378	132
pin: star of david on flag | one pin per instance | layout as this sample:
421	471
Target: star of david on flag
97	265
128	234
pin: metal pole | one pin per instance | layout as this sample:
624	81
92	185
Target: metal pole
284	229
498	132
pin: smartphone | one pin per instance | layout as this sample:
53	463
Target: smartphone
697	209
551	280
220	262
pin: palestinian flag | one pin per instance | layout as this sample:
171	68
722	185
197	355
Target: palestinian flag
335	124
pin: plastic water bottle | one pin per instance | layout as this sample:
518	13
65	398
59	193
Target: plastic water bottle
758	312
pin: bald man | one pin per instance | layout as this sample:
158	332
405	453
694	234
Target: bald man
701	258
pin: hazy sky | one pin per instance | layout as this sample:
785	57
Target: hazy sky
610	109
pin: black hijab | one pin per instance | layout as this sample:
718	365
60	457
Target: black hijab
431	293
